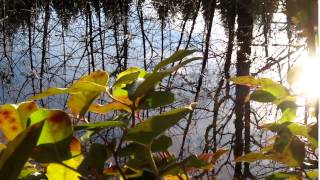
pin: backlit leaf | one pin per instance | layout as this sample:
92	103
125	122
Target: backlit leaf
153	79
103	109
156	99
262	96
177	56
101	125
13	158
251	81
149	129
13	118
251	157
63	172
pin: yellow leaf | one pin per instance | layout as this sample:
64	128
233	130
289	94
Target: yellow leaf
57	171
103	109
10	121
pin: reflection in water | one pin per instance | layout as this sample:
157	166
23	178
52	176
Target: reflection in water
51	43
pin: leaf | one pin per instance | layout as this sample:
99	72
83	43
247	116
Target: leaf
251	81
156	99
262	96
83	92
129	75
103	109
13	118
280	176
55	142
57	125
80	102
66	171
161	144
251	157
288	102
277	90
153	79
146	131
100	125
288	115
50	92
313	174
131	70
122	96
177	56
13	158
297	149
195	162
95	160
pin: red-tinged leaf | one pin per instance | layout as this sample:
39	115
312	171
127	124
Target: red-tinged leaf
10	122
13	118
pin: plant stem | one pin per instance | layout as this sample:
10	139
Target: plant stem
151	161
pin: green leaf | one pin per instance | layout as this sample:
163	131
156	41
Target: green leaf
130	71
128	76
297	148
288	115
57	125
13	158
161	144
56	142
146	131
177	56
156	99
100	125
57	152
94	161
262	96
277	91
153	79
194	162
281	176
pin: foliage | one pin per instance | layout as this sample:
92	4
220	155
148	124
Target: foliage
47	139
294	144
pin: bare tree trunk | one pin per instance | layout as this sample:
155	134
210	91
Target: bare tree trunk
30	55
101	39
244	36
91	36
126	34
115	36
44	43
202	72
141	21
193	23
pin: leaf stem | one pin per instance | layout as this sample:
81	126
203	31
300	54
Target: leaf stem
151	161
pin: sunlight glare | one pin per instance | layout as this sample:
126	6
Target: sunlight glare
307	83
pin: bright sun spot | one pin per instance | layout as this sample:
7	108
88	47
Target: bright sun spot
307	82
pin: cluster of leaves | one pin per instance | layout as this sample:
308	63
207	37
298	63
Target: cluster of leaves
294	143
42	143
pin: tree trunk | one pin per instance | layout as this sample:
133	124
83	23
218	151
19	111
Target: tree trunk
244	36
